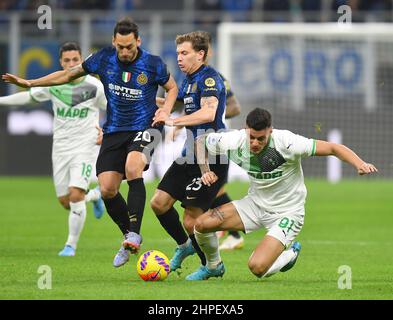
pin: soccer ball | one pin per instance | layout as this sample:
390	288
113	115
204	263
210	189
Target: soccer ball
153	265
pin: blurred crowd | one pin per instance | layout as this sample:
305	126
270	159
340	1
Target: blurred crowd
205	5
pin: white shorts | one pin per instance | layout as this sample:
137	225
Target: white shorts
72	171
282	226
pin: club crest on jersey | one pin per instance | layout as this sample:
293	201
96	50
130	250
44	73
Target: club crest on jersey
209	82
142	79
126	76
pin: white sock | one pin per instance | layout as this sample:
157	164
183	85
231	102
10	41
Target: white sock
208	242
76	220
281	261
92	195
185	244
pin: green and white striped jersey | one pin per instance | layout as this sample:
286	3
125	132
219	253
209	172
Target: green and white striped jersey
76	113
276	175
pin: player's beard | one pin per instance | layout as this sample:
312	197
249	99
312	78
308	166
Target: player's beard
128	58
125	59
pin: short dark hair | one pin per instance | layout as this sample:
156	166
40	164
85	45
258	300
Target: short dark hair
198	40
126	26
69	46
259	119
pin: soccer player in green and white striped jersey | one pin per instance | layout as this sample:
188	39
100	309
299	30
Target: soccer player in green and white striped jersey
277	194
75	137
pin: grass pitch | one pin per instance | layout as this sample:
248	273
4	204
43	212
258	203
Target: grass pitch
346	224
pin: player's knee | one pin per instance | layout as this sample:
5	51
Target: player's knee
159	205
200	225
108	192
77	195
77	198
189	223
258	268
65	203
134	173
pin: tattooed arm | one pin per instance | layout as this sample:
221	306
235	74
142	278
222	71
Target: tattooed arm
52	79
206	114
208	177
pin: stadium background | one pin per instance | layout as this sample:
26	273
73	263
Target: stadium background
349	223
334	75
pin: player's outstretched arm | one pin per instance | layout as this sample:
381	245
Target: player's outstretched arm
17	99
55	78
324	148
202	155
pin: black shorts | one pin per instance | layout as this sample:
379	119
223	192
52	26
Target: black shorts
183	183
116	146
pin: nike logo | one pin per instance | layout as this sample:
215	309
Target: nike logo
284	233
191	198
77	213
289	146
142	146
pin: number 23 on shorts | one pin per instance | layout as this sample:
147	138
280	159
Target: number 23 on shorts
195	185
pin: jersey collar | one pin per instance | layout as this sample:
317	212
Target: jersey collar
200	69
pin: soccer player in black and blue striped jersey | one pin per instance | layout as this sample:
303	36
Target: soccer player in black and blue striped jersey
232	109
204	97
131	77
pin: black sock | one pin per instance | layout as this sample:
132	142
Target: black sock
136	203
219	201
235	234
118	211
198	249
171	223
